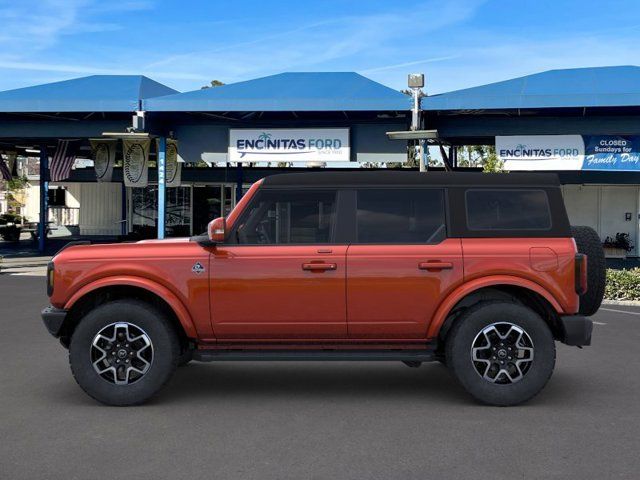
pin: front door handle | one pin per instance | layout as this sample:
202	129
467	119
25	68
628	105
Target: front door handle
319	267
435	265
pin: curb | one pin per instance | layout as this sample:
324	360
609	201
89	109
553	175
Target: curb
629	303
22	265
7	267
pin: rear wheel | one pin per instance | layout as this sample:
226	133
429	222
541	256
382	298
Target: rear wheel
502	353
123	352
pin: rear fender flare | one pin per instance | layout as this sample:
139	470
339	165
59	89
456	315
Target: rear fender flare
458	294
162	292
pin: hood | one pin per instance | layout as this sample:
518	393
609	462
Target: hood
165	240
130	250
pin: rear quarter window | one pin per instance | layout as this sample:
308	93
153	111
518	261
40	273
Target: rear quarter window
507	209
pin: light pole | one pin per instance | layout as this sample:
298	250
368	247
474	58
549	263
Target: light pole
415	82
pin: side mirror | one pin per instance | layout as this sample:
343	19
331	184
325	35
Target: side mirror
216	230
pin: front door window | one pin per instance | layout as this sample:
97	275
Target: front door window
285	217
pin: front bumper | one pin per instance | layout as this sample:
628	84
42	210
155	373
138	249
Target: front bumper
53	319
576	330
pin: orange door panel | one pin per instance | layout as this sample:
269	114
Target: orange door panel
393	290
278	292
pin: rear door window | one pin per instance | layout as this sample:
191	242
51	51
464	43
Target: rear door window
397	216
507	209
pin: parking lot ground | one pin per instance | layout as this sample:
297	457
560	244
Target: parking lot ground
315	420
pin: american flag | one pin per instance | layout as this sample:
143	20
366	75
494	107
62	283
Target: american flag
4	169
62	160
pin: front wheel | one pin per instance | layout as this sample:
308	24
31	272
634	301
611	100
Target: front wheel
123	352
502	353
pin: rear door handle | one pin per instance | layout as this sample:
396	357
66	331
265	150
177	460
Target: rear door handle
435	265
319	267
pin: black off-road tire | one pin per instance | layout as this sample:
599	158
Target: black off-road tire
588	242
165	344
468	327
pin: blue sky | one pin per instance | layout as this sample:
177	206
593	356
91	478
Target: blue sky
184	44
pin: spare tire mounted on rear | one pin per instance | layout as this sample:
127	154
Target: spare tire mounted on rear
588	242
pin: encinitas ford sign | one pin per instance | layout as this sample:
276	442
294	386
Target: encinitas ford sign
569	152
541	152
289	145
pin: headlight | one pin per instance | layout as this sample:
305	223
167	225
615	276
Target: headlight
50	278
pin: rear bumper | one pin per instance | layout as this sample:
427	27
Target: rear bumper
53	319
576	330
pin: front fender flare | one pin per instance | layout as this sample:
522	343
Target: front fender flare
161	291
458	294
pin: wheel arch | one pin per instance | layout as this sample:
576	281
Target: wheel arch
505	288
113	288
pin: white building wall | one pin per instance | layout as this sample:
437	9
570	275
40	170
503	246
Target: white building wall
73	195
31	210
583	204
100	208
605	208
615	203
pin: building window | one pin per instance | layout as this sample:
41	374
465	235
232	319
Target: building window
178	219
57	197
411	216
144	205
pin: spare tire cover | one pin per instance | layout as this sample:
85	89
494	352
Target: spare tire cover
588	242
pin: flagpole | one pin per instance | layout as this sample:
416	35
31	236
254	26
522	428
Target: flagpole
44	199
162	184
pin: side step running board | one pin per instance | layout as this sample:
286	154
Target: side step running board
314	355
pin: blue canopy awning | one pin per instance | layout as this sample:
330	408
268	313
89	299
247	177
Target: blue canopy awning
96	93
309	91
576	87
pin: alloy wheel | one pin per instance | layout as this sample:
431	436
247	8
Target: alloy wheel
121	353
502	353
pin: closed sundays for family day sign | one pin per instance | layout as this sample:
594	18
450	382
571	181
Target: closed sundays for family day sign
569	152
289	145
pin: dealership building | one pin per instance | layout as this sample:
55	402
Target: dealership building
149	161
581	123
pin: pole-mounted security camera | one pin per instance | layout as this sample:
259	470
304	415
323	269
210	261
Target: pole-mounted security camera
416	80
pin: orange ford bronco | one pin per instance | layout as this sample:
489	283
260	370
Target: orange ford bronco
481	272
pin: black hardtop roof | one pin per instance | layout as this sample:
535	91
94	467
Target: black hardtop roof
381	178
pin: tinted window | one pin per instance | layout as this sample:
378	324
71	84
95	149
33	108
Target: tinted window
508	210
400	216
289	217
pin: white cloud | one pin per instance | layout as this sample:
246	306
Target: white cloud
30	26
409	64
364	43
436	36
509	57
92	70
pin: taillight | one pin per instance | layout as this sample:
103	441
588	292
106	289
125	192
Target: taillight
50	278
581	273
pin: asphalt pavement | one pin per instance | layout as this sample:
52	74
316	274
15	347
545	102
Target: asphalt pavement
315	420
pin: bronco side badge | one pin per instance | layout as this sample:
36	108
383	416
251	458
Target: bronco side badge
197	268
